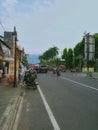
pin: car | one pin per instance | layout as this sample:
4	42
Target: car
43	69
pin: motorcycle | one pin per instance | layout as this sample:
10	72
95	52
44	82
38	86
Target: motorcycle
58	72
54	70
29	80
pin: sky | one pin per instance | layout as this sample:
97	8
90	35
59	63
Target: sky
42	24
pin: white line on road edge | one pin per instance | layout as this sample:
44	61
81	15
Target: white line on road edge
51	116
79	83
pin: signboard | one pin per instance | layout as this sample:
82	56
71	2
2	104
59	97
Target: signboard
6	50
8	59
89	47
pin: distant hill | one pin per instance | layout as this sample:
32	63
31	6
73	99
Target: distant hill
33	59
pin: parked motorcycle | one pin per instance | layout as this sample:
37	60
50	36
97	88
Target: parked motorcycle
30	80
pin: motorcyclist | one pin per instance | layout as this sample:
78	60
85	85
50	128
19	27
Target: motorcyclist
58	71
54	70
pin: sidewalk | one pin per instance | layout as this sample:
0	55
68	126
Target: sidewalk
90	74
9	96
95	75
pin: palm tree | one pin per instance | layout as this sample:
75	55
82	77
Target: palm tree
49	55
54	52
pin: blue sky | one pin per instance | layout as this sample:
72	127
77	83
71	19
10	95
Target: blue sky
42	24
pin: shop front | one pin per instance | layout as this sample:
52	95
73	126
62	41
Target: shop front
4	54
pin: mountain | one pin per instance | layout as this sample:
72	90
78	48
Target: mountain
33	58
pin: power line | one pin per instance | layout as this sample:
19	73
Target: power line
2	26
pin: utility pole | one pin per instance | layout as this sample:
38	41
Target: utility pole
15	40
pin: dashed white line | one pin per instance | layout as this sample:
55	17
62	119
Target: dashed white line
51	116
79	83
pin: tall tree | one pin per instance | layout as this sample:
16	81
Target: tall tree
79	52
96	45
54	52
70	58
65	56
49	55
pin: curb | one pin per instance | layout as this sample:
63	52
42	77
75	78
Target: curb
18	112
9	118
95	75
14	112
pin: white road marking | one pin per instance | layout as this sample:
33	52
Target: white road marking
51	116
79	83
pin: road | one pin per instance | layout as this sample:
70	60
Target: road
68	102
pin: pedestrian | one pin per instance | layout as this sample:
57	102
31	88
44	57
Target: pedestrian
20	76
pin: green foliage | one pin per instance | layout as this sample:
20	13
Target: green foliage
79	48
96	45
64	56
70	58
25	61
79	51
49	56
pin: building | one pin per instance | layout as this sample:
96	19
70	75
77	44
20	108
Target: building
7	53
4	55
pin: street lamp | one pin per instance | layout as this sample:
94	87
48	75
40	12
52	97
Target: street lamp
15	40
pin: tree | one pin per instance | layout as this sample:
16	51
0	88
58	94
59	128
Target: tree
65	56
96	45
25	60
49	55
79	51
70	58
54	53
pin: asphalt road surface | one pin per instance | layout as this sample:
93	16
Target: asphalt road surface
68	102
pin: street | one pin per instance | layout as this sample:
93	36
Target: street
48	65
67	102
